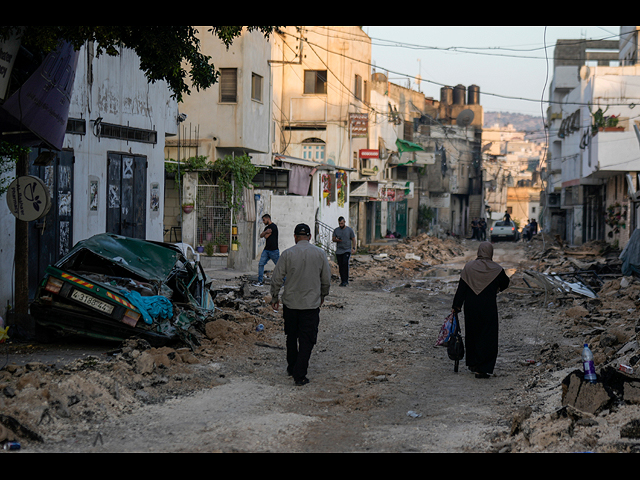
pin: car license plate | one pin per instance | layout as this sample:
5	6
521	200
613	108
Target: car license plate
92	302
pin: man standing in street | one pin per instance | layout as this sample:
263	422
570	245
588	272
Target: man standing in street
483	229
346	246
308	275
271	250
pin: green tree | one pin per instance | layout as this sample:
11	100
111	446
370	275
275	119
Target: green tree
166	52
234	174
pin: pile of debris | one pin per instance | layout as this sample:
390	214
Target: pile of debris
405	258
586	293
43	402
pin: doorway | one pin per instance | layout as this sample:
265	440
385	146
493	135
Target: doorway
127	195
51	237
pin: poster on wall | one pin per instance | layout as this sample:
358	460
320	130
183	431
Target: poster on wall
8	51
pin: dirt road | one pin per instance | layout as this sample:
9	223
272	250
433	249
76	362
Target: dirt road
378	383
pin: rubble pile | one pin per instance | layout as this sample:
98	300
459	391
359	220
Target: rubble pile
40	401
585	293
406	258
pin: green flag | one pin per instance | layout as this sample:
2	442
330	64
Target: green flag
405	146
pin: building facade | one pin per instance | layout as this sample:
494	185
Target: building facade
574	198
109	174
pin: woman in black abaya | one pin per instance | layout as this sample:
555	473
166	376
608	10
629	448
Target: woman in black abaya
480	283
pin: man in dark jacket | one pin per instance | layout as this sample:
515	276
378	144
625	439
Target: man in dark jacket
308	275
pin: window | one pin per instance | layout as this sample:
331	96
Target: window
228	85
272	179
314	150
256	87
315	82
130	134
358	87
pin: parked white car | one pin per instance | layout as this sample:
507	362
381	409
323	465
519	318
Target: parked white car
504	231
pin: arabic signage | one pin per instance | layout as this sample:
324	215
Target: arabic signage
42	103
359	125
396	192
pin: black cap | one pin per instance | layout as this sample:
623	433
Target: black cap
303	230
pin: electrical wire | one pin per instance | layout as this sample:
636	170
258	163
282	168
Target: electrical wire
411	77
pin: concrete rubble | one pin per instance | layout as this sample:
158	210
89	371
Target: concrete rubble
582	289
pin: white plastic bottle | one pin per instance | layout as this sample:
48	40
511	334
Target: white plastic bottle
589	367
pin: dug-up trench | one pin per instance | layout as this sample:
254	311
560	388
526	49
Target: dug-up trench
378	382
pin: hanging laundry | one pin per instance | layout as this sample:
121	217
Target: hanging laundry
299	179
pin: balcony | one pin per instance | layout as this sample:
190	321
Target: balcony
612	152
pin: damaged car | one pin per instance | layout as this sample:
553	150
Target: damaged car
115	288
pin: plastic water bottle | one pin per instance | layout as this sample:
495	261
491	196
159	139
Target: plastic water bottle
589	367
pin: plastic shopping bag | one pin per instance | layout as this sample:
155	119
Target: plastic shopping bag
448	328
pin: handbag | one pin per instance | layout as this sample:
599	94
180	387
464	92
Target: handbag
446	331
455	347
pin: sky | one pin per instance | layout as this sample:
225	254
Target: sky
508	63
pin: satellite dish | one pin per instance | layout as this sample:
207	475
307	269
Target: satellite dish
465	118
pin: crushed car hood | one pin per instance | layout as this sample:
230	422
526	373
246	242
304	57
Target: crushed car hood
115	287
149	260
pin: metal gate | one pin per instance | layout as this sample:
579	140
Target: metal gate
214	216
51	238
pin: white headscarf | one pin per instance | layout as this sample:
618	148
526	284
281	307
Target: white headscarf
479	273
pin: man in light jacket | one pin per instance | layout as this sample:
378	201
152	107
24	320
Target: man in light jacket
308	281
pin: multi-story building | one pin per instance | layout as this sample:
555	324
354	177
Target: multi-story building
452	185
232	118
511	174
574	196
322	119
295	103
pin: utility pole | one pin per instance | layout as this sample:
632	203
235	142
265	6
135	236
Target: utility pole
21	257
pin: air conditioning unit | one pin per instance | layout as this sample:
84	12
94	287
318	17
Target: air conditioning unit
553	200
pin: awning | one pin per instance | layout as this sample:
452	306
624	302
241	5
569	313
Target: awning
421	158
364	189
304	162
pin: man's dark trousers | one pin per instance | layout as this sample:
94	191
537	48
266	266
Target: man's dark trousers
343	265
301	329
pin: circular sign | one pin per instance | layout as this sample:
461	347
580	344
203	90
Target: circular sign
28	199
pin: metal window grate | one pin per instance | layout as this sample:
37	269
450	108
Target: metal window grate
130	134
214	217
